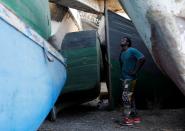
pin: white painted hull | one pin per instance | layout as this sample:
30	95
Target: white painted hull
161	24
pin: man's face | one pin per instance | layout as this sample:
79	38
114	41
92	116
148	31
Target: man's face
124	43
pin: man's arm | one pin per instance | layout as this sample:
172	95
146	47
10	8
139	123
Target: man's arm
140	62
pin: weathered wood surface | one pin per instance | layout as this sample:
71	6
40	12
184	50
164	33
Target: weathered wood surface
91	6
32	75
84	5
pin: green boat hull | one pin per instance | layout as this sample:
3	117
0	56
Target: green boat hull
35	13
82	52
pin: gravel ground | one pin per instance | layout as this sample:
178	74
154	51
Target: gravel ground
87	117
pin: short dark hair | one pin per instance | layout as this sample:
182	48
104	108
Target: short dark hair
129	41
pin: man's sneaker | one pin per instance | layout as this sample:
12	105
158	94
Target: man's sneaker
136	119
128	121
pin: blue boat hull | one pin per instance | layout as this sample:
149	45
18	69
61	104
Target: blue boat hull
29	83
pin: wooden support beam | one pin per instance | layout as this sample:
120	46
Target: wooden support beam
91	6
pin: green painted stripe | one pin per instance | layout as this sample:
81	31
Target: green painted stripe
82	51
35	13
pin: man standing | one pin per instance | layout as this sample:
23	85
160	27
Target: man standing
131	61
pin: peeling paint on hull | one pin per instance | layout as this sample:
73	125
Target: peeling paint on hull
30	83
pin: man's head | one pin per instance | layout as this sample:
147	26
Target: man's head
125	43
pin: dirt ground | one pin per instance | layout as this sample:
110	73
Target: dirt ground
88	117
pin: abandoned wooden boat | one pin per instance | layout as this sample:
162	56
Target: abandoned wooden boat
32	72
82	51
161	25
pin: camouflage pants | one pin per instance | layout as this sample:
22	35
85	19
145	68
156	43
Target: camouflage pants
128	88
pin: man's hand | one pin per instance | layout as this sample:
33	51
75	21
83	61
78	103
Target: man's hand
138	66
132	73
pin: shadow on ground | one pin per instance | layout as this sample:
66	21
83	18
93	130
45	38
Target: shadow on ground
87	117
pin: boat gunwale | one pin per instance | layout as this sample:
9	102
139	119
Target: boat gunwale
10	18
